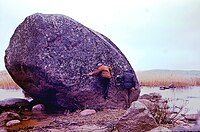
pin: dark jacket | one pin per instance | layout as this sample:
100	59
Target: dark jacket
128	80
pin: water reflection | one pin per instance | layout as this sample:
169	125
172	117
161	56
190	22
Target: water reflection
190	97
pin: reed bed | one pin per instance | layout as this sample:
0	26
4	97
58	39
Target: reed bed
6	82
152	78
165	78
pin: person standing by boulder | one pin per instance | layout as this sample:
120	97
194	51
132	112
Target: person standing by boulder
105	74
129	84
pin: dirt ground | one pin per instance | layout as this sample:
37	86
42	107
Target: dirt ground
68	121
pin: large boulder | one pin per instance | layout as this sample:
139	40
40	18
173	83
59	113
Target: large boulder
48	56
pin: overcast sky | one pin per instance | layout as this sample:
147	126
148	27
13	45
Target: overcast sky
153	34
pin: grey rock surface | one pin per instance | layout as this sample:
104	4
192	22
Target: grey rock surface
13	123
136	119
14	103
38	108
49	54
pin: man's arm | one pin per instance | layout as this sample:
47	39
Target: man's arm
95	72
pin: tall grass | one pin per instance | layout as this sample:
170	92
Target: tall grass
6	82
152	78
157	78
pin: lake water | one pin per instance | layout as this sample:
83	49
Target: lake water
11	93
187	97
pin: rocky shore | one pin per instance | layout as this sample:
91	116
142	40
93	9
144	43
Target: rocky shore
149	113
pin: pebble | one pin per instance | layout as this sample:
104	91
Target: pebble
88	112
13	123
38	107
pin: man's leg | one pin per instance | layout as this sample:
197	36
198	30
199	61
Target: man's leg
106	83
129	93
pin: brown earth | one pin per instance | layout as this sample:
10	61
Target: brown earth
64	122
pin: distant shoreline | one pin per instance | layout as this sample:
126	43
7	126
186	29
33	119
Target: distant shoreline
158	78
150	78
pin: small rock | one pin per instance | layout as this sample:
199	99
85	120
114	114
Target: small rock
145	96
14	103
87	112
156	95
162	101
191	117
181	123
151	96
7	116
176	117
13	123
172	86
162	88
38	107
136	119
